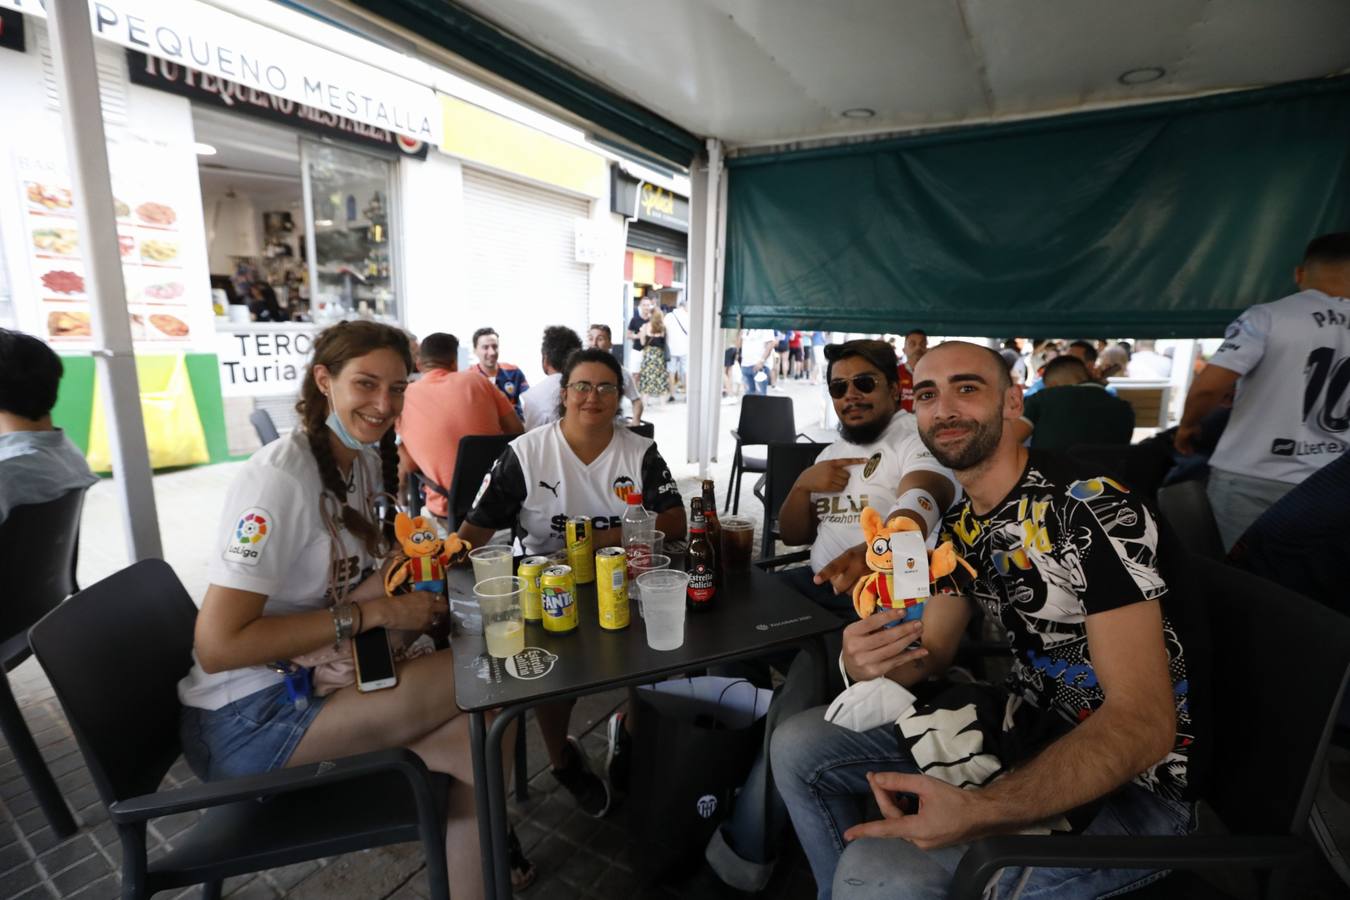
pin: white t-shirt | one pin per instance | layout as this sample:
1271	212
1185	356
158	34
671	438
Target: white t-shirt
1291	412
538	482
897	452
272	540
540	403
677	332
1148	364
752	344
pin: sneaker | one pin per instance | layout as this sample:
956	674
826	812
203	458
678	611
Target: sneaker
591	794
620	755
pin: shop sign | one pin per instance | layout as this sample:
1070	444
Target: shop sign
222	92
263	361
224	45
11	30
647	202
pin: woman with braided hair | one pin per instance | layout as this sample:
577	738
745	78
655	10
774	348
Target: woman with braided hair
300	548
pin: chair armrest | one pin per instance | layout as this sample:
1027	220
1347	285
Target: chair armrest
278	781
774	562
803	438
984	858
736	434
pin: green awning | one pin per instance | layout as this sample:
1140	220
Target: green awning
1166	220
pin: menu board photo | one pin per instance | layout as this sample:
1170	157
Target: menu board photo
149	238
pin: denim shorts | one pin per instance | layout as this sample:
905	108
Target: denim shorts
254	734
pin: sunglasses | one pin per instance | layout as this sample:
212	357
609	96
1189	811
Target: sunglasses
865	383
606	389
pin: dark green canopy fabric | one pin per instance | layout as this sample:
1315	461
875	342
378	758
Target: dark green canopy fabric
1161	221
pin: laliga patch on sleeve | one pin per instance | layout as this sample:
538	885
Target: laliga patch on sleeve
250	536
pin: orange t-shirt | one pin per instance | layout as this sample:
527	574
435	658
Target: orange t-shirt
440	408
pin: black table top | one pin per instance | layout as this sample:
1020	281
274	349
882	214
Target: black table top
755	612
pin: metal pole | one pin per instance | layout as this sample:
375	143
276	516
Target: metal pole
705	382
82	118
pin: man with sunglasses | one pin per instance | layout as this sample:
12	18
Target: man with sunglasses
878	461
1092	729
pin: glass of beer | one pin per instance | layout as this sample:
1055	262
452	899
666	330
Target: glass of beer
663	595
738	543
503	623
492	561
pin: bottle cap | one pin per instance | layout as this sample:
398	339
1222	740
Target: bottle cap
634	498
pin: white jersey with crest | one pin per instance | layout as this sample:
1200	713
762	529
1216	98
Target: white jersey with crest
1291	413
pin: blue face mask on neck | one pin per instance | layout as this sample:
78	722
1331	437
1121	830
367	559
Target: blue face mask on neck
335	425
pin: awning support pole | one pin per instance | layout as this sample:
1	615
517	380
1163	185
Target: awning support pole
114	360
705	372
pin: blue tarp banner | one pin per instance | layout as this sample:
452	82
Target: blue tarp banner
1161	221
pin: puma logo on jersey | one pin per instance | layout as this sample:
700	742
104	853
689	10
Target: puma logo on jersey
551	487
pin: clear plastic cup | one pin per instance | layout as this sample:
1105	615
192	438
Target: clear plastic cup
503	622
738	543
663	596
658	541
640	566
492	561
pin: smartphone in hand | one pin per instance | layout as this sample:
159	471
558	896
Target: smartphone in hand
374	661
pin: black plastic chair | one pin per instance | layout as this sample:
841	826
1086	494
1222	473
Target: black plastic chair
264	426
114	654
764	420
645	429
1268	743
477	453
1185	506
785	461
41	543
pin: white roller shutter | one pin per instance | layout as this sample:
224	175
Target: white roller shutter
522	269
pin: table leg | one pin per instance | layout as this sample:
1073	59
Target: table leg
482	802
496	792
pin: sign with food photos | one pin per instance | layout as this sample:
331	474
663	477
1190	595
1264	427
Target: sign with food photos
150	237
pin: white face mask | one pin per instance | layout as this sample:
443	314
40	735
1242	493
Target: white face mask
335	425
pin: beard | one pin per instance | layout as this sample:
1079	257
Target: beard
983	440
865	433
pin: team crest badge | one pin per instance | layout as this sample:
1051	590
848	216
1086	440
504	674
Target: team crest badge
872	465
623	486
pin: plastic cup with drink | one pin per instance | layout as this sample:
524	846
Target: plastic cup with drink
650	563
503	622
492	561
738	543
663	597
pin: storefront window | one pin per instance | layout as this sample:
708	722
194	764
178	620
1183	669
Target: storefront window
351	250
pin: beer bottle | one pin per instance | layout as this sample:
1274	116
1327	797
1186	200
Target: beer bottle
714	526
700	562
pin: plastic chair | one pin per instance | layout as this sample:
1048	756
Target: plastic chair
41	543
785	461
1185	506
1268	743
764	420
114	654
264	426
477	453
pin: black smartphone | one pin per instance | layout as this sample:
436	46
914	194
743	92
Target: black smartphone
374	661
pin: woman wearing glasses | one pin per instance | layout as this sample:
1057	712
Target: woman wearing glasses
580	465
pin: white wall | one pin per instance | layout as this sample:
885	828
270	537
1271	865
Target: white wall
431	197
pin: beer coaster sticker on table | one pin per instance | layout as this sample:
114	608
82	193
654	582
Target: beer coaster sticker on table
531	663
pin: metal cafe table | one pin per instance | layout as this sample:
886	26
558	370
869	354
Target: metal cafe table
755	614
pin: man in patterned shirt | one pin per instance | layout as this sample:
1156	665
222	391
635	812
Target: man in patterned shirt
1092	729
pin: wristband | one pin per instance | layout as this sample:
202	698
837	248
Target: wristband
342	623
920	501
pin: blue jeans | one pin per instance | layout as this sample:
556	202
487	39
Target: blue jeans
752	386
821	770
